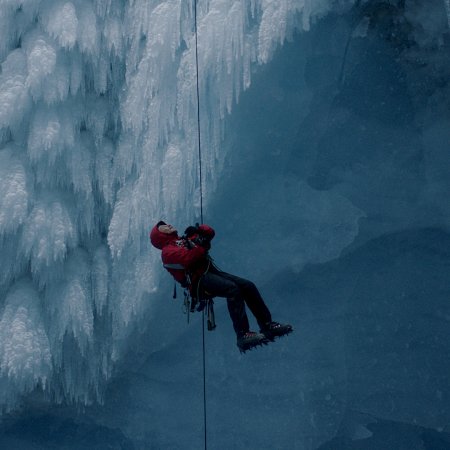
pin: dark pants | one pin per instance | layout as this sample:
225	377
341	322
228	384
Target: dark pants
238	292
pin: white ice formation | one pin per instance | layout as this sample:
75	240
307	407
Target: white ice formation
98	139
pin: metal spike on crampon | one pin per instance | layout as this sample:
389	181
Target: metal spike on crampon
250	341
276	330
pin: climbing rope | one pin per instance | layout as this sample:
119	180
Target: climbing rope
198	113
201	211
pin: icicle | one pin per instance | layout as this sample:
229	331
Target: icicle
14	196
48	233
24	347
14	97
61	22
100	278
70	303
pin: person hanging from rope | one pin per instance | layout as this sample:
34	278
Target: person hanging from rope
187	260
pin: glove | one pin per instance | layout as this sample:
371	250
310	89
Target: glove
206	231
200	234
203	242
191	231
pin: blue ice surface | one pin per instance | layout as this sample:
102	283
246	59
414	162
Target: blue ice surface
333	199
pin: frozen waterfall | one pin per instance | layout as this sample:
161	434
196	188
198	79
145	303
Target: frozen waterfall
325	129
97	141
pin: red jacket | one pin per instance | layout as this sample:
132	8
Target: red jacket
190	257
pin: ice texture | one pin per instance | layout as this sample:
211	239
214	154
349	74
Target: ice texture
14	94
25	357
14	194
47	235
98	140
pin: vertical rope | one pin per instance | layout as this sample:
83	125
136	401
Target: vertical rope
198	114
201	210
204	377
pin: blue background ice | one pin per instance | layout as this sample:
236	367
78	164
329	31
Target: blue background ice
326	178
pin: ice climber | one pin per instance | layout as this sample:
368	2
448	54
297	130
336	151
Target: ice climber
187	260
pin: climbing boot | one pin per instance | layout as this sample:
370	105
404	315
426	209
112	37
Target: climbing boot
250	340
273	330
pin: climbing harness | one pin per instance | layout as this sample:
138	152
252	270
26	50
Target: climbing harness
200	302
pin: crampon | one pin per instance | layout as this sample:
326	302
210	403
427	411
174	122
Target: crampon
275	330
251	340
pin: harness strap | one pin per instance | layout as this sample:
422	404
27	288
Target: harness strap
210	314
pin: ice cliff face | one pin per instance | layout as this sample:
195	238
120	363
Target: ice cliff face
97	141
360	145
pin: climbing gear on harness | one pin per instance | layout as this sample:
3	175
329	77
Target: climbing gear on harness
210	314
199	304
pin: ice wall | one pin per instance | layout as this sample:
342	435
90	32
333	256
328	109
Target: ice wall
360	144
349	142
341	143
97	142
